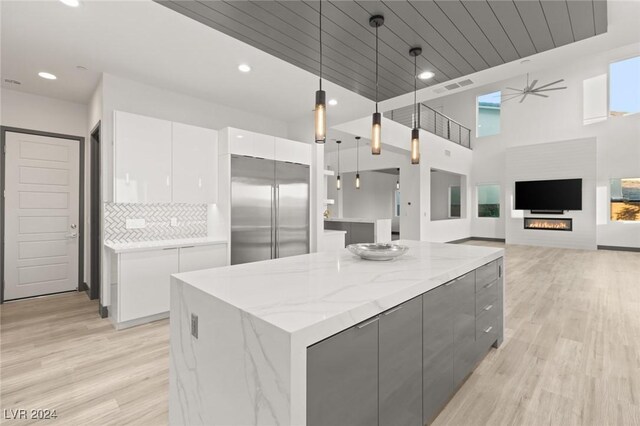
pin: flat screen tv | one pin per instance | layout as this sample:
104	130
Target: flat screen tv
561	194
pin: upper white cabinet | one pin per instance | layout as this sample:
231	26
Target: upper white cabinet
142	159
195	160
244	142
157	161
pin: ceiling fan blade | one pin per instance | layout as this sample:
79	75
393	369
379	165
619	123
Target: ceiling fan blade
509	97
517	90
523	98
533	83
551	84
538	94
552	88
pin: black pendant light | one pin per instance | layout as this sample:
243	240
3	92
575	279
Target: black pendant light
415	132
376	22
398	179
320	111
357	162
338	184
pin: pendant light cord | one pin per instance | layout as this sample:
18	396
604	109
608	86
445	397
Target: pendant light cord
320	25
357	155
338	160
376	68
415	91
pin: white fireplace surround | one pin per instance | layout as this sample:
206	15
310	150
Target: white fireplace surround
557	160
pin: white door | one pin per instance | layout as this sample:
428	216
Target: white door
41	215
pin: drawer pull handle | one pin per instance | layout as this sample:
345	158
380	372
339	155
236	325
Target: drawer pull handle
488	307
490	284
487	330
170	248
185	247
364	324
449	283
396	309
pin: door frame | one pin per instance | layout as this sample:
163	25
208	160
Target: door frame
81	142
95	211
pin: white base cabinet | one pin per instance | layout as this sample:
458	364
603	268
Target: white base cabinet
141	291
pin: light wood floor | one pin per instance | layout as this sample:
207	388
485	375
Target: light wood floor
571	354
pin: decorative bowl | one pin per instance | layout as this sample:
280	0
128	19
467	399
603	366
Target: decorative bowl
378	251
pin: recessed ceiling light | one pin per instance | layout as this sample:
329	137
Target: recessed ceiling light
47	75
333	102
71	3
425	75
244	68
240	136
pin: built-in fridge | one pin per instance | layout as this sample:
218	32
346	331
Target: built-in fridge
269	209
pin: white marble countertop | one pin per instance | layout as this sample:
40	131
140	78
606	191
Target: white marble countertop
316	295
353	219
160	244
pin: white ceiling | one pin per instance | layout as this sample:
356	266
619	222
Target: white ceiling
147	42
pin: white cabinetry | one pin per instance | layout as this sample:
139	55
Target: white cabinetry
141	292
144	283
195	157
292	151
157	161
142	159
243	142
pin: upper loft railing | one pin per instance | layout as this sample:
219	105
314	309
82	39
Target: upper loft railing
434	122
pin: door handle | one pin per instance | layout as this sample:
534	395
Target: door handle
72	235
371	321
396	309
487	330
488	307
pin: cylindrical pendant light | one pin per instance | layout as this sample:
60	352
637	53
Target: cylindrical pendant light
415	132
357	162
338	183
376	22
320	111
398	179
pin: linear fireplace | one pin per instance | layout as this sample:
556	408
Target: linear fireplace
548	224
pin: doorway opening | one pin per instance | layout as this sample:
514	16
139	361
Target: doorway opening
95	215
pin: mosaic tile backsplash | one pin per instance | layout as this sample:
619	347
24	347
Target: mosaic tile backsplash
192	221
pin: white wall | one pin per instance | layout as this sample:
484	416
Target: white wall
34	112
557	118
374	200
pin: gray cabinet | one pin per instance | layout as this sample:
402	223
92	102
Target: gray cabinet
438	311
464	327
342	378
356	232
400	371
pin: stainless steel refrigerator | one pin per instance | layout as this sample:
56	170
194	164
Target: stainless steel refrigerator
269	209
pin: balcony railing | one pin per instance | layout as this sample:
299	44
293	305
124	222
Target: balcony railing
434	122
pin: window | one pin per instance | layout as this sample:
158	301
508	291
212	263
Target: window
625	199
454	201
488	115
624	87
488	200
397	203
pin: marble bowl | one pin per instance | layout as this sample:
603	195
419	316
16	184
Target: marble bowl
378	251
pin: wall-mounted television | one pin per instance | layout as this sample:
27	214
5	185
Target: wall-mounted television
560	194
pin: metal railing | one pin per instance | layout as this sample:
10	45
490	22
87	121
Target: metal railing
434	122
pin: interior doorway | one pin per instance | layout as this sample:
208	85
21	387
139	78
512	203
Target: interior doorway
95	214
42	226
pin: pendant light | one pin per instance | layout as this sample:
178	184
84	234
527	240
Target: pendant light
398	180
376	22
338	184
357	162
415	132
320	112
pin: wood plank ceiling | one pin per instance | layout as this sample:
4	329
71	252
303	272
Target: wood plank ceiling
457	37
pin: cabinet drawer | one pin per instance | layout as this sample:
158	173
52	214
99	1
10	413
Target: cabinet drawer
486	296
486	274
487	327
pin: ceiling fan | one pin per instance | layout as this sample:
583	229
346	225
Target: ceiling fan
531	89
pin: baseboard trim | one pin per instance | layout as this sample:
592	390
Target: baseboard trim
464	240
619	248
103	311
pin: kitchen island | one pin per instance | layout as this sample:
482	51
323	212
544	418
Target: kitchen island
328	338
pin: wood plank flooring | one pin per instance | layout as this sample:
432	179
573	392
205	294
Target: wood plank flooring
571	354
